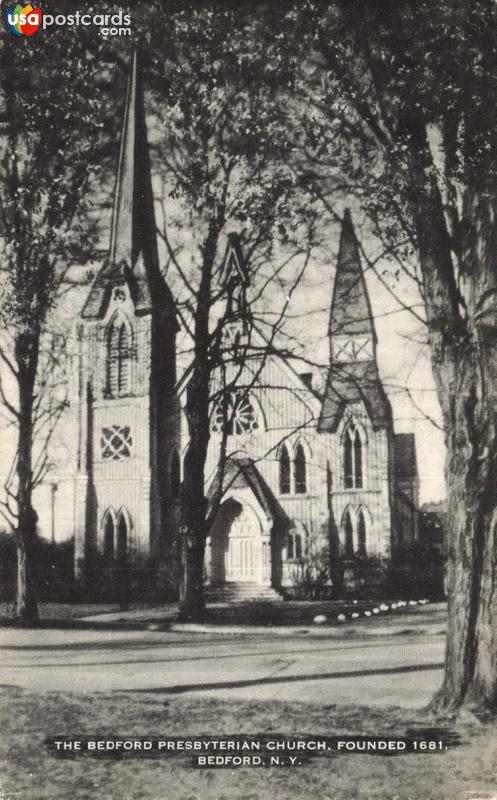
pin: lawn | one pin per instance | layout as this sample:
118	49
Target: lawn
467	770
265	614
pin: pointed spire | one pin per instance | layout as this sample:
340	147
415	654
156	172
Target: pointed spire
234	279
133	199
350	308
353	375
234	269
133	256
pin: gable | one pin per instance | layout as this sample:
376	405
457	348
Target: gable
353	383
284	399
241	474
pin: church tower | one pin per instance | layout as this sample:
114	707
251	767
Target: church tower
124	400
356	412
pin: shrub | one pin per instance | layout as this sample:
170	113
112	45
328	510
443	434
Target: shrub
365	577
53	569
310	576
414	572
7	568
417	571
140	580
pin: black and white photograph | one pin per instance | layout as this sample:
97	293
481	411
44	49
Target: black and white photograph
248	400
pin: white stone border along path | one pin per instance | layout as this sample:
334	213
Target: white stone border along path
353	614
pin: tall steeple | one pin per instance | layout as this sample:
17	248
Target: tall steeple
353	374
352	333
233	268
132	257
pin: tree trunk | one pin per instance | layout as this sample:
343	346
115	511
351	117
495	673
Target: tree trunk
193	509
25	608
471	655
193	527
463	339
192	603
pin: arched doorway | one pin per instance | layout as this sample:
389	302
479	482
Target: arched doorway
237	547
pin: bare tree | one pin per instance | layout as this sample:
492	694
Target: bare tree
50	401
226	137
404	105
43	181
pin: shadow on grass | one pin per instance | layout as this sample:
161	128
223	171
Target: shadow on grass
75	624
318	676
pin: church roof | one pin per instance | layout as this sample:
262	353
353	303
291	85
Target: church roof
241	473
132	256
350	307
352	383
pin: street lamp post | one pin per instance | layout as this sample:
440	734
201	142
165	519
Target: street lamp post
54	487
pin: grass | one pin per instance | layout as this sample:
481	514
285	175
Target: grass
295	613
290	613
466	771
64	612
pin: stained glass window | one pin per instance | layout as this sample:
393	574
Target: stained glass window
300	471
361	534
118	359
349	536
235	414
284	465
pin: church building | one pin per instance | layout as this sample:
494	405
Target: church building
300	467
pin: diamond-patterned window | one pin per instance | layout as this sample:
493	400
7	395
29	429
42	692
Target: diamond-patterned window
235	414
116	442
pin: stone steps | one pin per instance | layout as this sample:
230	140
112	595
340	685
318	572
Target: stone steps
241	592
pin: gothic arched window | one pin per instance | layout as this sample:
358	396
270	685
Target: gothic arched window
348	469
122	537
284	465
300	470
294	545
118	358
348	535
352	459
361	534
108	536
358	460
175	475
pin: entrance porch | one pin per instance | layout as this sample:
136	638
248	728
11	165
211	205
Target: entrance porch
239	548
